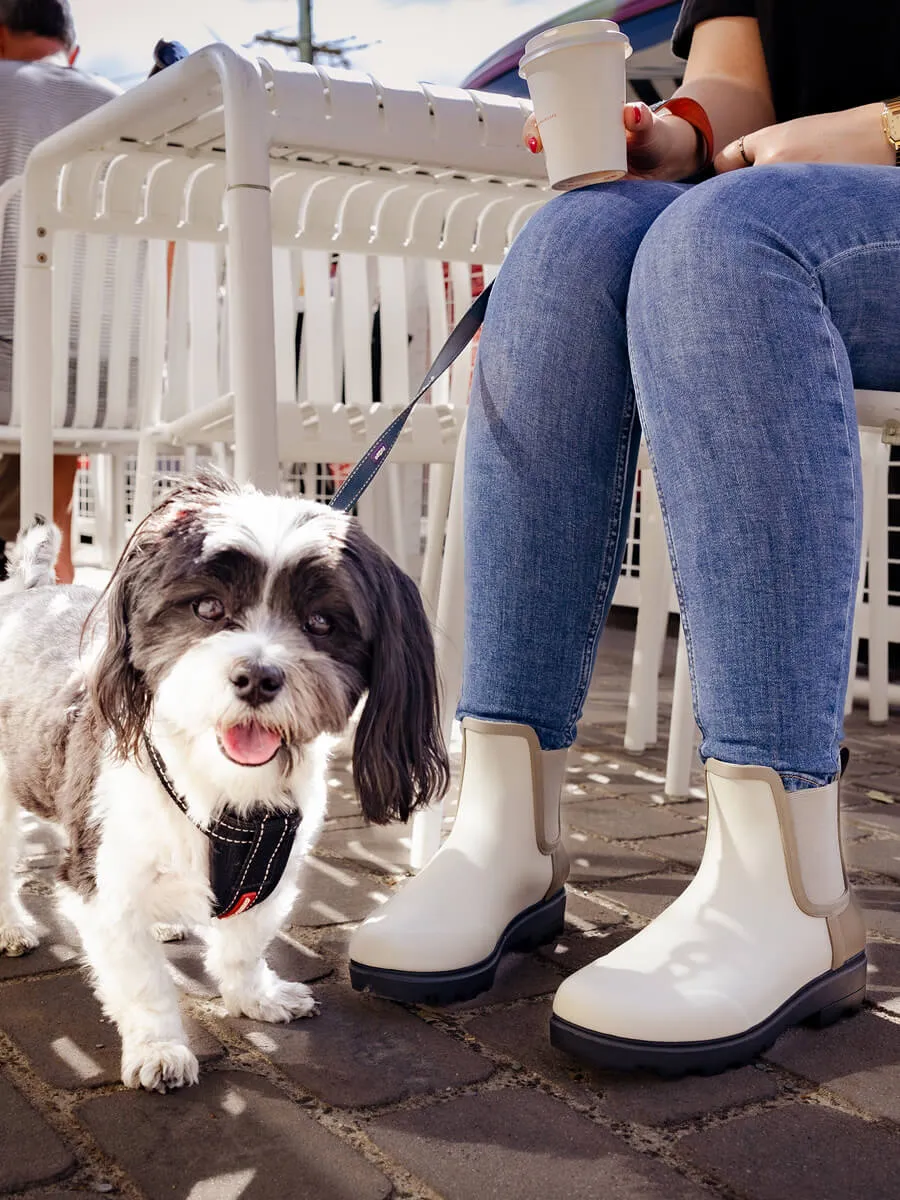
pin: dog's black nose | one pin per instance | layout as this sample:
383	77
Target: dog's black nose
256	682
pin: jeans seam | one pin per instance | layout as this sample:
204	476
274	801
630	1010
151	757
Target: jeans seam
679	592
850	600
602	591
852	251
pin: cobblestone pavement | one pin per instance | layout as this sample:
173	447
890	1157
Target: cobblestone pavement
372	1100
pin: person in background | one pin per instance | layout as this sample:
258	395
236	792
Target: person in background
41	91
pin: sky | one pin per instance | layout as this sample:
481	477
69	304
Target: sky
435	40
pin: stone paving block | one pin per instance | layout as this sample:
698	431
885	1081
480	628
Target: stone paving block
589	912
593	859
59	1024
878	854
884	817
286	956
575	950
648	897
883	982
865	773
857	1058
518	977
382	848
30	1151
522	1145
648	1100
333	893
60	945
522	1033
234	1135
342	801
598	773
626	817
803	1151
360	1050
687	849
881	906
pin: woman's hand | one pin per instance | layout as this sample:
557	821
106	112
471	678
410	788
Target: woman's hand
659	147
852	136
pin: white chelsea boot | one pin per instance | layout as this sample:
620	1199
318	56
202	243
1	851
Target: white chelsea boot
495	885
766	936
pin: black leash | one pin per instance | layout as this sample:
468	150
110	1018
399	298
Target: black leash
376	456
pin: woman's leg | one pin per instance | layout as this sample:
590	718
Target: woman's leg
756	301
551	448
755	306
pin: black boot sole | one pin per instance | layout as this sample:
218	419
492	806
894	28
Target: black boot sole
534	926
826	999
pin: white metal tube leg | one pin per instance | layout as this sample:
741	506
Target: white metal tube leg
682	729
102	478
144	475
32	369
869	441
878	590
448	641
119	508
653	613
440	483
252	334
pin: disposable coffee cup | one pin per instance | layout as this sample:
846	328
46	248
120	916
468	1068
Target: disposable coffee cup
576	77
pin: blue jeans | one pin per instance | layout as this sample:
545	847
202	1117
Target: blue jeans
734	318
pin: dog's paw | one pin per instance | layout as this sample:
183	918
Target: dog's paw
17	939
159	1066
279	1003
169	933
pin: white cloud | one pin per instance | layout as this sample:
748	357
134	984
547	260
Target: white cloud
438	40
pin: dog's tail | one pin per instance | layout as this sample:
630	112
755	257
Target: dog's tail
31	560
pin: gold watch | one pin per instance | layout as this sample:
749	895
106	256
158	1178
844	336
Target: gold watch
890	123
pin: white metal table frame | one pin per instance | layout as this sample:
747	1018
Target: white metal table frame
215	76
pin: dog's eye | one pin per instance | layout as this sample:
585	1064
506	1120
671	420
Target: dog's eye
209	609
318	625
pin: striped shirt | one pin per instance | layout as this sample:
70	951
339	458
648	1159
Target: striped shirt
36	99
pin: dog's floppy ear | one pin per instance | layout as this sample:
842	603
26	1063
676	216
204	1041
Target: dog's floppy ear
118	689
399	758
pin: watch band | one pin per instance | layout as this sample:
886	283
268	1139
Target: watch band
695	114
890	123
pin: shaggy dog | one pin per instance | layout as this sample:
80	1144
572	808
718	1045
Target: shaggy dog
177	728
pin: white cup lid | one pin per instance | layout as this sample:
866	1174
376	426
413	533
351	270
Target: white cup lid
576	33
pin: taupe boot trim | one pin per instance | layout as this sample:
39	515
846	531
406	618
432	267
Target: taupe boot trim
845	923
548	769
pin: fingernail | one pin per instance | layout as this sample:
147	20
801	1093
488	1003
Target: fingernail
638	115
532	145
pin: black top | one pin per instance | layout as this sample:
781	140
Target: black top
822	55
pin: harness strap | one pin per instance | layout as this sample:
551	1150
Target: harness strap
247	855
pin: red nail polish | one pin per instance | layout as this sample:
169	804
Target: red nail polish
533	145
638	115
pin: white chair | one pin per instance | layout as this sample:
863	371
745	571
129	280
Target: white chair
103	347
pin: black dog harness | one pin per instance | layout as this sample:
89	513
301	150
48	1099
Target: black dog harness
247	855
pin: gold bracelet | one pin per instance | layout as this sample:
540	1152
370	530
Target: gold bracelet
890	123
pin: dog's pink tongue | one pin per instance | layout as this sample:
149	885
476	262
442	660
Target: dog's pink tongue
250	744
